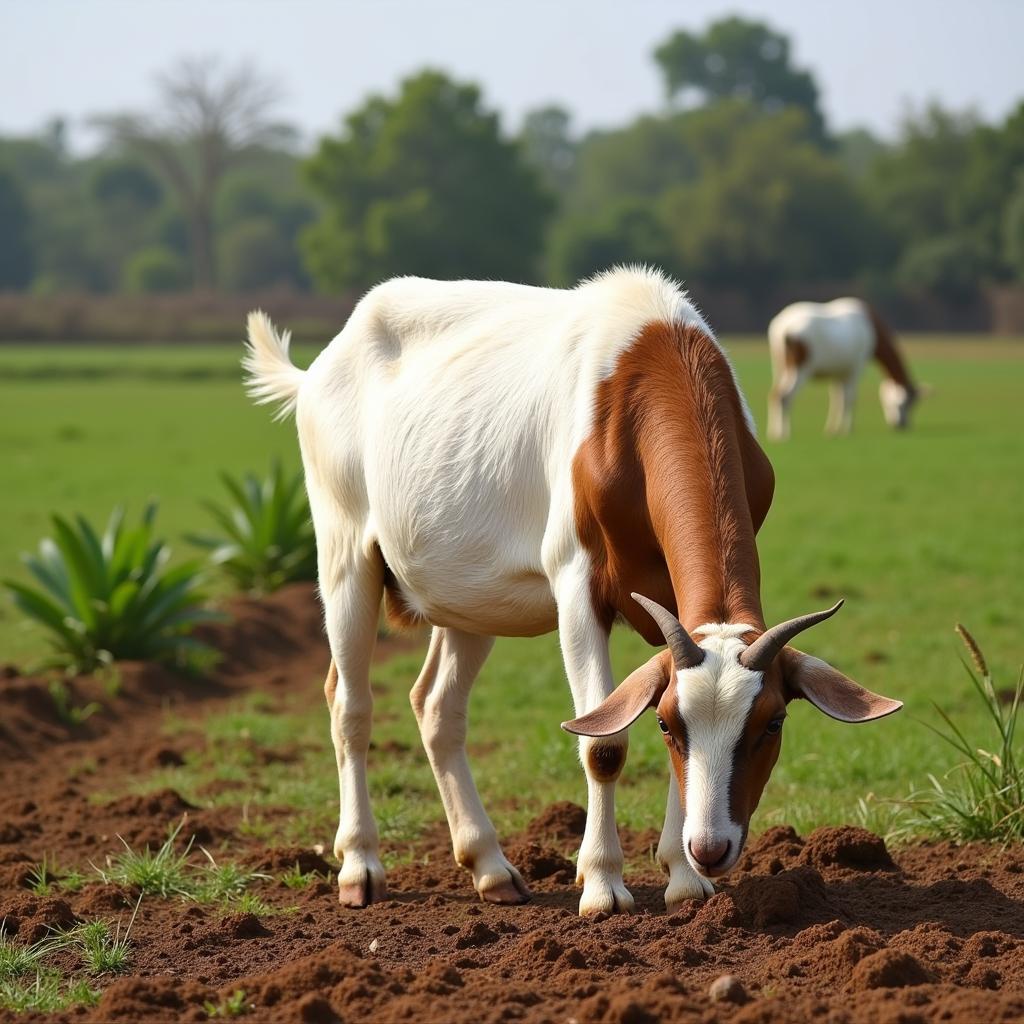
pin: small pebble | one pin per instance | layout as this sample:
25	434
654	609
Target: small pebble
374	946
728	989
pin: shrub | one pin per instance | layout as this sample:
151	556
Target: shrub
113	596
269	537
983	796
156	269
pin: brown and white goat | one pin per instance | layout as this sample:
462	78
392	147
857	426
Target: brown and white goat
835	340
500	460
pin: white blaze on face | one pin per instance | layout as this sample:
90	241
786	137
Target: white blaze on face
895	402
714	702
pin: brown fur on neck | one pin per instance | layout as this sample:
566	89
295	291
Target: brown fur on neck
671	487
887	355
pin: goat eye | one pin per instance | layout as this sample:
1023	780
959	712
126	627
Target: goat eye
774	726
662	726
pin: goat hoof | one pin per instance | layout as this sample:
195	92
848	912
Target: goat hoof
503	884
696	888
603	901
510	892
362	894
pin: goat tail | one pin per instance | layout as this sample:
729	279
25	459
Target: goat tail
270	374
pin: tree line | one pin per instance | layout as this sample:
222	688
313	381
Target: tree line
737	182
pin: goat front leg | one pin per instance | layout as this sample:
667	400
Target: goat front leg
585	652
440	700
352	604
683	882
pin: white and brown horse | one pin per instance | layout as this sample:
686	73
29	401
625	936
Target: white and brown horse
835	340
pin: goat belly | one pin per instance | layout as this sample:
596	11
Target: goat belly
487	599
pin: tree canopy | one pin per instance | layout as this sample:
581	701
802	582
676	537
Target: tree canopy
739	59
736	183
424	183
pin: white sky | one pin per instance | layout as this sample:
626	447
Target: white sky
871	58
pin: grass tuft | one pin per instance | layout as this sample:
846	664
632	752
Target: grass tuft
17	960
70	714
42	879
296	878
26	984
982	797
160	873
45	992
223	883
230	1006
102	952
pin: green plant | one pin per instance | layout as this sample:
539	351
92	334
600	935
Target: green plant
250	903
43	877
982	797
230	1006
222	883
102	952
45	992
69	713
72	880
163	872
113	596
296	878
269	537
26	984
17	960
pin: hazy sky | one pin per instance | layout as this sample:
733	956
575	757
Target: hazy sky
871	58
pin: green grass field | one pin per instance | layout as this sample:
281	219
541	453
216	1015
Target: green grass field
917	531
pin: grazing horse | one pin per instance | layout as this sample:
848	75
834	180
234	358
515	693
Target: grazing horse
835	340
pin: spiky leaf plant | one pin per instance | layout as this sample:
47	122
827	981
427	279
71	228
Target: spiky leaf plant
267	538
113	596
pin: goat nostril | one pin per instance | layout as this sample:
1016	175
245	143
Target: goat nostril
710	854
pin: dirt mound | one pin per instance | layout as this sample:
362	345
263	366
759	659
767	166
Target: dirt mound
288	858
562	820
847	847
32	918
536	863
888	968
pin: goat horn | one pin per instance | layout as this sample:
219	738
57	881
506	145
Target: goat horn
760	654
685	653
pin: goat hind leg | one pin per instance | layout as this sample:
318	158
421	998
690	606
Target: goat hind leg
440	699
352	605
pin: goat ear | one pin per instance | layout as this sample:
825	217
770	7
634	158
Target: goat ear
830	691
627	702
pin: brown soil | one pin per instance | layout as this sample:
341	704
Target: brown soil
832	926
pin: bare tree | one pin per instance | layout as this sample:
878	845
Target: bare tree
207	121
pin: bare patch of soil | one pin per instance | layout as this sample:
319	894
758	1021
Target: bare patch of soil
830	926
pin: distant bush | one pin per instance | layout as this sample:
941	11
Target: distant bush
256	254
109	597
268	536
949	265
156	269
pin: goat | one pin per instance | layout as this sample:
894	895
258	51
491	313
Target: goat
502	460
835	340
